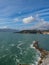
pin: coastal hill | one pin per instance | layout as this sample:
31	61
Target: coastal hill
35	31
30	31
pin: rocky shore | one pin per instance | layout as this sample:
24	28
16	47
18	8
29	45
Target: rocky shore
44	55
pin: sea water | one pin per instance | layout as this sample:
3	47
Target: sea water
18	48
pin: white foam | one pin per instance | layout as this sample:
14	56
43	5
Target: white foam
32	64
7	49
18	46
12	45
19	41
39	58
2	46
36	63
16	56
31	46
17	60
3	55
25	52
21	52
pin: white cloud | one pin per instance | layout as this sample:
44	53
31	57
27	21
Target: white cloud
45	13
41	25
16	20
3	27
44	25
28	19
43	10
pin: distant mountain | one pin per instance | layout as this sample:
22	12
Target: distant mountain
9	30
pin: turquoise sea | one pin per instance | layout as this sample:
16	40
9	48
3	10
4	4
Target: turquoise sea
18	48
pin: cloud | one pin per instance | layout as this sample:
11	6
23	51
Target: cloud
28	19
32	19
44	25
3	27
41	25
16	20
43	10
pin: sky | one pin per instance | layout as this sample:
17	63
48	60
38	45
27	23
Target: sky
24	14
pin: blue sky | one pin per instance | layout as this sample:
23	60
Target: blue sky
24	14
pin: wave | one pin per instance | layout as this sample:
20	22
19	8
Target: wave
38	54
31	46
18	46
17	60
12	45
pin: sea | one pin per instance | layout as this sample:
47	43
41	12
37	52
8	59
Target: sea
16	48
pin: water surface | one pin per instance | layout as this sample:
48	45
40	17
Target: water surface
17	48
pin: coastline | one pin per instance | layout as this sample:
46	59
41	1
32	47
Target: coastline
33	32
44	54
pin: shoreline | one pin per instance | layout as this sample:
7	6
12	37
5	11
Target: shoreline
44	54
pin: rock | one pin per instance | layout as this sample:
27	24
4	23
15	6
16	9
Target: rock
23	64
44	54
35	44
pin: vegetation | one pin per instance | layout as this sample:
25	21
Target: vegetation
34	31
